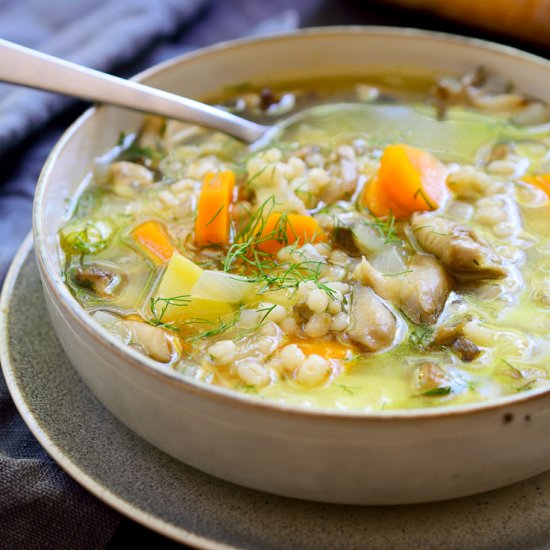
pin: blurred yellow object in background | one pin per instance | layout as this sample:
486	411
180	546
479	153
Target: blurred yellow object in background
525	19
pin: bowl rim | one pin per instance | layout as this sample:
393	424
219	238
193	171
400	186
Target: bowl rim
64	299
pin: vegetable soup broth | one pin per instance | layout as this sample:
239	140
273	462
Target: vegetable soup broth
388	252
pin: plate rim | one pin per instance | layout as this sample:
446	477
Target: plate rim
103	493
163	527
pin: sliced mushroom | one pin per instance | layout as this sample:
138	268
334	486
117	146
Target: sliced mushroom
431	379
465	253
465	349
421	291
127	177
344	238
102	281
372	325
453	337
268	98
480	90
154	341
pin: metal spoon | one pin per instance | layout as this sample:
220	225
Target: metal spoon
27	67
20	65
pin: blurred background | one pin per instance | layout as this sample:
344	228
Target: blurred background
40	506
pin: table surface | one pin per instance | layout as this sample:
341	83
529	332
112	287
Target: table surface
21	166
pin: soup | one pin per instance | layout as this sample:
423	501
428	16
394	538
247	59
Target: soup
390	249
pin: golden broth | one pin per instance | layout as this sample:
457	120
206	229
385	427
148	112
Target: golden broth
500	323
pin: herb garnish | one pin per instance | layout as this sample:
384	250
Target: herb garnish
219	328
89	240
215	215
134	152
445	390
348	389
420	337
386	228
157	318
259	266
420	192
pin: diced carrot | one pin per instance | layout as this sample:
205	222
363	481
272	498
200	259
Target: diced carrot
329	349
542	181
408	180
154	239
376	200
281	230
212	223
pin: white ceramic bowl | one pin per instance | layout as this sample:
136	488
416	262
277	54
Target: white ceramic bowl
388	457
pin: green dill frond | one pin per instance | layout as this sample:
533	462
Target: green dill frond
217	327
445	390
420	192
88	240
421	336
215	215
351	390
249	182
157	317
386	228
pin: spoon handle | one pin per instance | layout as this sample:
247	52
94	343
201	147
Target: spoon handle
26	67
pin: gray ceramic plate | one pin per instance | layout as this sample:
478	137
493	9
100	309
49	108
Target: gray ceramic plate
184	504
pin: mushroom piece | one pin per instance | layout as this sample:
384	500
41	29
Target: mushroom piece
101	281
128	177
431	379
453	337
372	325
154	341
421	291
465	253
480	90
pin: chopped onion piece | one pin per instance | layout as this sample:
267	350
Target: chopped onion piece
388	261
367	239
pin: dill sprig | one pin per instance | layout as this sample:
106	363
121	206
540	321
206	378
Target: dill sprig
80	244
215	215
250	181
421	336
134	151
218	326
157	317
443	390
221	326
516	373
420	192
386	228
261	266
88	240
351	390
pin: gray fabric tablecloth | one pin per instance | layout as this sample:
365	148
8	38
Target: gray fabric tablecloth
96	33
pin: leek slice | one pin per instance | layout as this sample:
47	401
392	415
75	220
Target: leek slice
222	287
